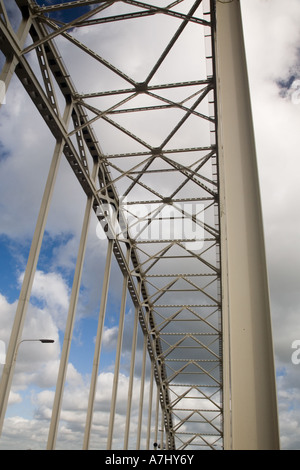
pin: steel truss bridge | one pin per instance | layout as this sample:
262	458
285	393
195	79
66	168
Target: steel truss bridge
149	103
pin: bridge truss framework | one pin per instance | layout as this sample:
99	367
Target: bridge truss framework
146	144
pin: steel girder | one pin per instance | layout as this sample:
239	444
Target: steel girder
150	126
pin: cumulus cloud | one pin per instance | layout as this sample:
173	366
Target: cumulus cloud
17	213
38	363
272	39
50	290
276	122
20	433
102	411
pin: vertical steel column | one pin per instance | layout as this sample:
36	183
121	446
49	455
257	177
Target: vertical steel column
156	416
251	422
98	343
162	446
131	375
141	402
70	323
16	333
118	357
150	406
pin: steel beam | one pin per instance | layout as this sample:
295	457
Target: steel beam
62	372
98	343
250	407
118	357
131	376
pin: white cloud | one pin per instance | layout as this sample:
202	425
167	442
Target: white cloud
110	336
14	398
52	291
26	152
7	312
73	415
23	434
272	45
275	31
25	164
37	363
272	39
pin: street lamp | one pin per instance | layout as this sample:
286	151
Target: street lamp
8	370
44	340
41	340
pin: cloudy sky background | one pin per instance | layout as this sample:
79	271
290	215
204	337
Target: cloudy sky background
272	37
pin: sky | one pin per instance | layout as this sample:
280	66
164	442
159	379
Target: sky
272	39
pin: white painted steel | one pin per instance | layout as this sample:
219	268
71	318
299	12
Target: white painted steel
250	413
63	365
98	343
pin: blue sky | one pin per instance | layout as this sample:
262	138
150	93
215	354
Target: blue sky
273	40
65	15
8	280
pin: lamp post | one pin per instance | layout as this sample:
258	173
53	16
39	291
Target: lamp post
3	403
41	340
